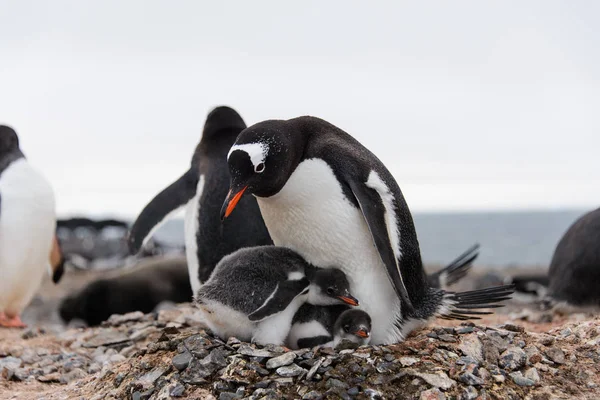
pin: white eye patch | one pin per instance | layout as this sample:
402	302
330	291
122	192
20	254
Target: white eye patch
257	152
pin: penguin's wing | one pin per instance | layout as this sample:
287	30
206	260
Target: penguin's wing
169	200
373	206
456	270
280	298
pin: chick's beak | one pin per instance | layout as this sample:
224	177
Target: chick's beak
233	197
363	332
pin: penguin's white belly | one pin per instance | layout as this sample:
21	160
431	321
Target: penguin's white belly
27	226
312	216
191	241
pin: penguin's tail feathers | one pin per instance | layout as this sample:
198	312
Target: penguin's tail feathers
469	305
456	270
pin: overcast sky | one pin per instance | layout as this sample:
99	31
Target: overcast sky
470	104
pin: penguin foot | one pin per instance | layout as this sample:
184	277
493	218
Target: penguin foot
14	322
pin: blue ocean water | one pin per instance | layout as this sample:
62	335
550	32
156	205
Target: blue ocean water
524	238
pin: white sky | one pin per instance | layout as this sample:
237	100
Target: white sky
471	104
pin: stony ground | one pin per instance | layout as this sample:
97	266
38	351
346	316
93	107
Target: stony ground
168	355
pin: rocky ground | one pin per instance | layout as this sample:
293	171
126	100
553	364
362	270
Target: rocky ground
522	351
168	355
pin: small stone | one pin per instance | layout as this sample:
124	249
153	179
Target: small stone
335	384
408	361
513	358
19	374
499	378
281	361
181	361
470	379
532	374
117	319
513	328
314	368
432	394
228	396
290	370
73	375
253	352
142	333
447	338
468	393
346	344
119	379
464	329
373	394
116	358
10	363
471	346
439	379
149	378
555	354
546	340
353	391
520	380
312	395
53	377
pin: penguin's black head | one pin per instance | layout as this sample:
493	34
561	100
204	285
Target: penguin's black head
354	325
330	286
261	160
9	141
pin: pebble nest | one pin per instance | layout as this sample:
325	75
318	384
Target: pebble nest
169	355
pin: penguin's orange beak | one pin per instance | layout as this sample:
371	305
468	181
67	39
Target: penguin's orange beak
363	333
353	301
231	201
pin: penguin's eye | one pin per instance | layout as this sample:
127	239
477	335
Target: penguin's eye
330	291
259	168
346	328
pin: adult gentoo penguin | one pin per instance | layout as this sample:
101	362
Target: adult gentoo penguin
574	274
27	226
326	196
201	189
254	293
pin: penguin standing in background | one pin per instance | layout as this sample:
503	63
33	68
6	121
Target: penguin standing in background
254	293
27	228
326	196
202	189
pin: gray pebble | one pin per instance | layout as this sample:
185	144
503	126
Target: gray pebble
520	380
312	395
470	379
290	370
10	363
335	384
281	361
555	354
353	391
73	375
513	358
181	361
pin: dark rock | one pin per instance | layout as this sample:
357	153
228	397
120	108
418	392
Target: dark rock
119	379
513	358
491	354
464	329
353	391
177	390
181	361
346	344
312	395
520	380
335	384
470	379
555	354
447	338
229	396
513	328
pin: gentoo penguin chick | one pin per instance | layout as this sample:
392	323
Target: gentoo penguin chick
254	293
574	273
27	226
201	190
152	282
327	326
326	196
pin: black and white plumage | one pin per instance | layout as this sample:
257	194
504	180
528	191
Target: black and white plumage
254	293
27	226
201	190
574	273
326	196
327	325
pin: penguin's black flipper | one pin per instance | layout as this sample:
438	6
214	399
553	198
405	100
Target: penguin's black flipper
373	209
281	297
463	305
170	199
456	270
310	342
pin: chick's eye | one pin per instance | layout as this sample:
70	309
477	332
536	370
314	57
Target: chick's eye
330	291
259	168
346	328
